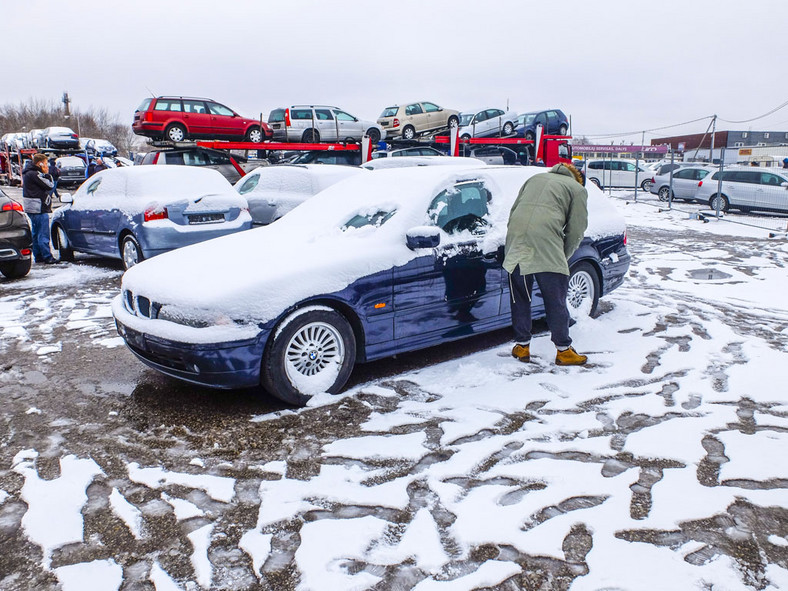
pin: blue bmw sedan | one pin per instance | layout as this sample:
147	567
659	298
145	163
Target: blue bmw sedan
375	265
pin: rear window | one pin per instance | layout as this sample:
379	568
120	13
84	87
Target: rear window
389	112
144	105
276	116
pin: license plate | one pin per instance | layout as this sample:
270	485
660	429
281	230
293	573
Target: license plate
276	126
206	218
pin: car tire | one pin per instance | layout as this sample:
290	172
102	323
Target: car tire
508	128
130	251
465	136
374	135
582	296
596	182
724	203
310	136
60	242
313	350
16	269
563	129
529	135
646	186
664	194
175	133
453	122
254	135
408	132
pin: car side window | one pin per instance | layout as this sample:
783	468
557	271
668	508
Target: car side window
249	184
628	166
770	179
93	187
430	107
214	158
217	109
460	208
342	116
323	115
168	105
414	109
687	173
196	107
301	114
595	165
700	174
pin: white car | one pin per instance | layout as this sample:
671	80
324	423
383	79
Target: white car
618	173
320	123
407	161
685	182
745	188
272	191
487	122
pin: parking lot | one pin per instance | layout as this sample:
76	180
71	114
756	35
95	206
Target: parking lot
661	465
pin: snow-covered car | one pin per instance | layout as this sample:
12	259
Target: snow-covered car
487	123
72	170
408	161
379	264
100	147
685	182
137	212
272	191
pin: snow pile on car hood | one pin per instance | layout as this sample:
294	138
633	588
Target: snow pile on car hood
256	275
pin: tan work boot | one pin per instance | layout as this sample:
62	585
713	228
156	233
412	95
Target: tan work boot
522	353
570	357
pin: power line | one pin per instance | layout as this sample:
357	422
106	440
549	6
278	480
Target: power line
611	135
758	117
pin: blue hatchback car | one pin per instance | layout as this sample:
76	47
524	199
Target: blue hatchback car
137	212
553	122
375	265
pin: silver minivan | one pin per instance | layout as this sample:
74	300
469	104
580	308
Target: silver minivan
618	172
745	189
316	123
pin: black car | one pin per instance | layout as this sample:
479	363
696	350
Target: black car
72	171
348	158
16	239
228	165
60	137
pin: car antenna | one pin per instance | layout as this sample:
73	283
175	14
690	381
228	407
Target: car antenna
150	91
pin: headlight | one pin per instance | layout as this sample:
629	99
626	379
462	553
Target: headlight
193	317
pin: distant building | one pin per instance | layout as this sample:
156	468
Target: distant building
737	146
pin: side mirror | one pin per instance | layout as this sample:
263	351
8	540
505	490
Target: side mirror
784	185
66	198
423	237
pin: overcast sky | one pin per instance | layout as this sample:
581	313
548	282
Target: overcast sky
614	66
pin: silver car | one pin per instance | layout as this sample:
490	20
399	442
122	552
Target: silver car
685	182
316	123
487	123
745	188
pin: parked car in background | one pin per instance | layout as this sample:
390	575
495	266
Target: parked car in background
486	123
223	162
345	158
36	138
137	212
321	123
412	119
685	182
16	239
60	137
100	147
498	155
272	191
178	118
619	173
745	189
378	264
553	122
72	171
412	151
13	142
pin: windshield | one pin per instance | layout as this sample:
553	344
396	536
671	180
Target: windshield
376	219
526	119
465	119
389	112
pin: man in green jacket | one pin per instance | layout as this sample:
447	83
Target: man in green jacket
546	225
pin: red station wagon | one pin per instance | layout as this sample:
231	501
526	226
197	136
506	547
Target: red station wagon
177	118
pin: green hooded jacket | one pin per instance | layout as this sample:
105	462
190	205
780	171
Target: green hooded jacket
547	223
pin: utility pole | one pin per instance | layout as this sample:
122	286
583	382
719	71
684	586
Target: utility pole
66	102
713	131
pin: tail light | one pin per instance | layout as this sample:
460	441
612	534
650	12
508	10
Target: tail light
287	117
13	206
652	180
700	183
156	158
155	212
26	252
148	116
625	237
395	123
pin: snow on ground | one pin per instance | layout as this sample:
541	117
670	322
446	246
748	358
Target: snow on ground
660	465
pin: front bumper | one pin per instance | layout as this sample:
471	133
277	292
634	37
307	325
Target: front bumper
226	365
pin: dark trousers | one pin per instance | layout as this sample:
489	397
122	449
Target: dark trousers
40	226
553	287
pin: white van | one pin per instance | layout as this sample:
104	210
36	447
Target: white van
619	172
